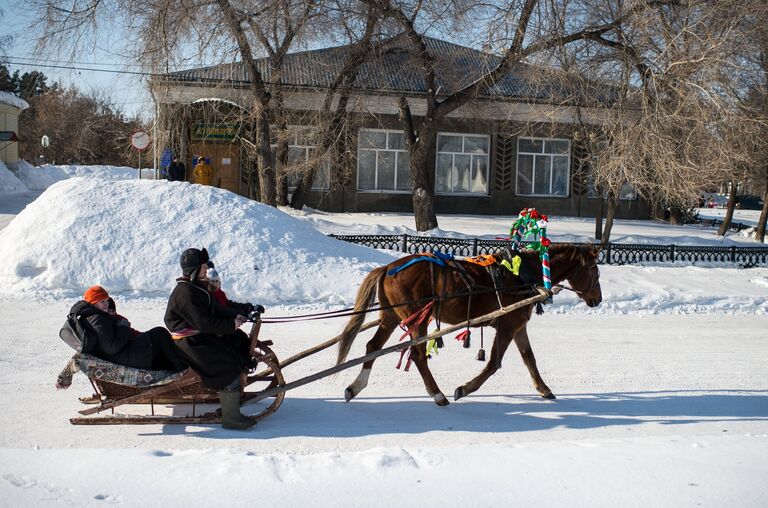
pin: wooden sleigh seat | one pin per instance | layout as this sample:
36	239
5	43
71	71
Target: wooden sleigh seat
117	385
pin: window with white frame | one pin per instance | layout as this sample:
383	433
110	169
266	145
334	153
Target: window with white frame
383	163
543	166
462	164
301	148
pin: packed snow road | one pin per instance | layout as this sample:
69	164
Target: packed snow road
680	401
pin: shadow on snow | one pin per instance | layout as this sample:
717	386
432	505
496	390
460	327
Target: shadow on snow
497	413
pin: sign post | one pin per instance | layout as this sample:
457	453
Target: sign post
140	141
46	142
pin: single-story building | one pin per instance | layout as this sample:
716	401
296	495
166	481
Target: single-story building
10	109
515	146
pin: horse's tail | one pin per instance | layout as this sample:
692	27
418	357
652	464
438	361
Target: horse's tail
365	297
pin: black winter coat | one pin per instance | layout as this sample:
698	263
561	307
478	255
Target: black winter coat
115	342
177	172
220	352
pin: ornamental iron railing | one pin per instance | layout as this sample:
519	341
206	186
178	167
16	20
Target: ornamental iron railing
612	253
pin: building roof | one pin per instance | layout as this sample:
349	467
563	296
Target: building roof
394	69
12	100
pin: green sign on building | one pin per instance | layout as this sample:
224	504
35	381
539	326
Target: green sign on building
213	132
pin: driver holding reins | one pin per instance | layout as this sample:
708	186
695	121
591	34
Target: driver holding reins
208	335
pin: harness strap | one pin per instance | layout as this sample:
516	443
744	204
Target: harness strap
493	272
408	324
426	257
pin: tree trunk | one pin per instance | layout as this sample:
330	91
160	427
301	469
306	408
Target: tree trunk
264	156
729	211
613	201
599	218
423	196
675	215
281	153
760	234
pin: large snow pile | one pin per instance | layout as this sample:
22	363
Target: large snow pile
37	178
106	172
9	183
128	235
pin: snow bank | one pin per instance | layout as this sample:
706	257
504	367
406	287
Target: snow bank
9	183
37	178
654	290
106	172
128	235
41	177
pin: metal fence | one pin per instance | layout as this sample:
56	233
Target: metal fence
716	223
612	253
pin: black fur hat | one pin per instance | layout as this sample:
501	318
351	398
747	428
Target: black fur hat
191	259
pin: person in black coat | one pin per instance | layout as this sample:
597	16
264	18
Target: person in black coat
177	172
208	337
118	343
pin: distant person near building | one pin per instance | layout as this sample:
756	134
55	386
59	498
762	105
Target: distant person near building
203	173
177	172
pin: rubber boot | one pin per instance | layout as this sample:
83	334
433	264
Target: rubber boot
231	417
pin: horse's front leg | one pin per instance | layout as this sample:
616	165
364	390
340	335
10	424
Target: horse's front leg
524	346
500	344
387	325
419	357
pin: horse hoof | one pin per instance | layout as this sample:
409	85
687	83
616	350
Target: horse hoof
459	393
549	396
349	394
440	399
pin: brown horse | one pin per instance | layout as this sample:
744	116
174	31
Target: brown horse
419	283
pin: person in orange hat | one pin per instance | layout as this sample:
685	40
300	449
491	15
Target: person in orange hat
117	342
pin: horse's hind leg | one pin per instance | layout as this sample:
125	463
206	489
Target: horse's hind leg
419	357
500	345
386	327
524	346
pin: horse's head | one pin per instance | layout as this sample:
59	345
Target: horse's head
584	275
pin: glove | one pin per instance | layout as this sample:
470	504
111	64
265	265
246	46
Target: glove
259	309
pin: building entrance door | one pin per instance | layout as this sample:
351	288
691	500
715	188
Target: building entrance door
224	159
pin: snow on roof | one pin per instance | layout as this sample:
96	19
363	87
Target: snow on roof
12	100
128	236
217	99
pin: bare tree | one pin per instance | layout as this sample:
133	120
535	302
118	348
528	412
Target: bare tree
168	33
675	127
531	30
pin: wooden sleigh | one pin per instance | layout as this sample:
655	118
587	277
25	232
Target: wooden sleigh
117	385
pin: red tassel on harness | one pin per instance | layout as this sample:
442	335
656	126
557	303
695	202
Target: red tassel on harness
408	324
464	336
408	362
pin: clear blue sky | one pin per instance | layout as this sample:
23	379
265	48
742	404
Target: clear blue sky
126	92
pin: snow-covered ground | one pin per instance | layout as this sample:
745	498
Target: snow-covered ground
662	390
746	217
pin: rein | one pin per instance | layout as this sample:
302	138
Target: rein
349	311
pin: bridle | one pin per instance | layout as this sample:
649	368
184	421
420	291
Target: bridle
594	279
